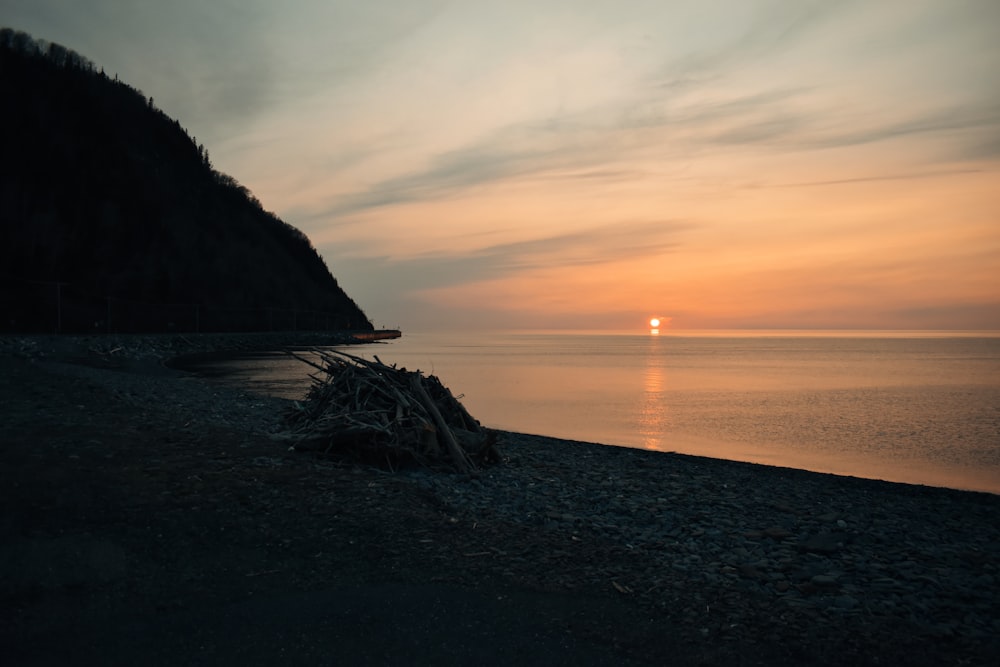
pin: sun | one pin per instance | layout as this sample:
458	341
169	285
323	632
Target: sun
655	322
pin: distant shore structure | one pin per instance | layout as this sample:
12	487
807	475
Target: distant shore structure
378	334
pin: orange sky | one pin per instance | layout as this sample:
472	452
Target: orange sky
589	164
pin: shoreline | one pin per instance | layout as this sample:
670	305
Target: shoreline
157	354
165	346
627	553
917	471
141	352
756	465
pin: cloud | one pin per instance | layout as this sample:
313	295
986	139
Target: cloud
761	77
906	176
777	121
448	173
216	66
206	64
788	120
983	147
982	121
603	245
737	36
580	149
628	241
983	316
514	152
396	287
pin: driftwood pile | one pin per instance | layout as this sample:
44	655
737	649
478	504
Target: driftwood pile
368	411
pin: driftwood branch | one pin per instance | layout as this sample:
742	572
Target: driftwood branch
458	457
370	411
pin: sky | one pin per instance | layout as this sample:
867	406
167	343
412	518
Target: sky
591	164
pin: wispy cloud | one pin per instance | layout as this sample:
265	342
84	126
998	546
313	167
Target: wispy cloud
776	121
448	173
984	122
415	284
756	32
906	176
626	241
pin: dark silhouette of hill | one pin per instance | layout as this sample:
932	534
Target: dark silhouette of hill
113	219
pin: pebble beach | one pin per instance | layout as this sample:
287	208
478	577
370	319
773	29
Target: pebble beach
707	561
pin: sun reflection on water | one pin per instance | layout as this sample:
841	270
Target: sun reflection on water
653	419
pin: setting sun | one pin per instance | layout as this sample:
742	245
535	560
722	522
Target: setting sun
655	322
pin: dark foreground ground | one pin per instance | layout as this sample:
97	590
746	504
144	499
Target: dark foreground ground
149	519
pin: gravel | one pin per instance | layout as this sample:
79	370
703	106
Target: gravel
740	559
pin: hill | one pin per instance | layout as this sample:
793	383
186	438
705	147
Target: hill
113	219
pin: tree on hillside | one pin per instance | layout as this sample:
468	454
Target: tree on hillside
106	195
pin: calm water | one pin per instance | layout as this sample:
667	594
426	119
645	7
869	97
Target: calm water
917	408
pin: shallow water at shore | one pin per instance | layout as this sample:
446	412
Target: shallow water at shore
910	408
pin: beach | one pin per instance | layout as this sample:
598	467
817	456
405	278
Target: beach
150	517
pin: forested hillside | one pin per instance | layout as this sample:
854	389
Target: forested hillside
113	219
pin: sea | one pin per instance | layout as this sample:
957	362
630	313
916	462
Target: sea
913	407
